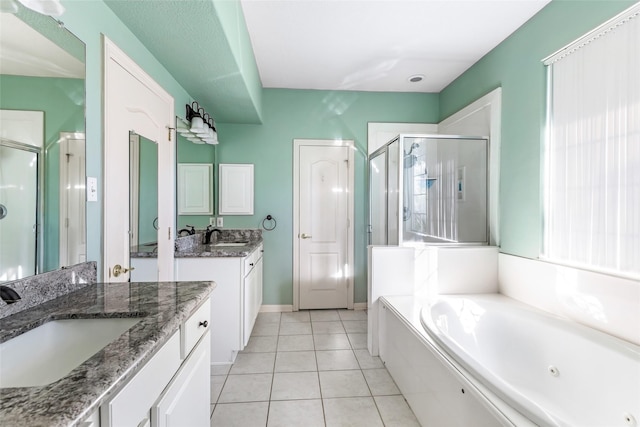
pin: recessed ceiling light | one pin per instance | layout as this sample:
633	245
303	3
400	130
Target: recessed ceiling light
416	78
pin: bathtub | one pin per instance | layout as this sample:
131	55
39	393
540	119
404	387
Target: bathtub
554	371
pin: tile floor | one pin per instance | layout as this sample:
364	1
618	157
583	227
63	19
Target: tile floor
308	368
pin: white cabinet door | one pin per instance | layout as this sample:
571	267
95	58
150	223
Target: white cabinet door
226	301
194	189
236	189
186	400
130	406
252	296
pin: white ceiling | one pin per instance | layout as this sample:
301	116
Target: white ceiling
26	52
376	45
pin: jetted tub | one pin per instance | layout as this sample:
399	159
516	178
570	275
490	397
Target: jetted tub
554	371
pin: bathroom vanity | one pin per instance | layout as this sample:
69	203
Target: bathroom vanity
153	371
233	260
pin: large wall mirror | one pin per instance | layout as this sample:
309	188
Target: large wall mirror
143	191
189	152
42	146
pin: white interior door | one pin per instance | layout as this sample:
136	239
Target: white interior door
72	199
134	102
324	201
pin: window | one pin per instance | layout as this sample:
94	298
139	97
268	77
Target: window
592	155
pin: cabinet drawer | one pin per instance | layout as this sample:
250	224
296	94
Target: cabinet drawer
252	259
194	327
131	405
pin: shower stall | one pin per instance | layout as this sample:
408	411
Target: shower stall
429	189
19	201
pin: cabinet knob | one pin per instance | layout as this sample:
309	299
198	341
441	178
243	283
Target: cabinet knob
205	323
251	264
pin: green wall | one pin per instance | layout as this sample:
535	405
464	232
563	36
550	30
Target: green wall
307	114
516	66
62	101
89	20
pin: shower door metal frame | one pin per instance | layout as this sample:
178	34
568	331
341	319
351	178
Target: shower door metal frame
401	138
40	204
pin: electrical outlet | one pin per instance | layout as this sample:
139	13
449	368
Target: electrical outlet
219	222
212	220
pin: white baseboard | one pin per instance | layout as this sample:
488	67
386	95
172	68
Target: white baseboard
274	308
287	308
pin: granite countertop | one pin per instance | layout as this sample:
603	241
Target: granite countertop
192	246
161	307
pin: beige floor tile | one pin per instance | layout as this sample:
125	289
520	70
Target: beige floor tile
252	414
355	326
265	329
331	342
217	381
396	412
351	412
268	318
330	327
296	361
295	317
358	341
380	382
295	343
221	369
366	361
352	315
324	315
343	384
293	328
246	388
258	344
253	363
294	413
333	360
295	385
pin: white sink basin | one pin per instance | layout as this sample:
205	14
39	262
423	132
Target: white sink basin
229	244
49	352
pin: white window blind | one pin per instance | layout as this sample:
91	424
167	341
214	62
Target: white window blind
592	176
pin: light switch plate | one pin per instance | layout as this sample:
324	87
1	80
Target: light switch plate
219	222
92	189
212	220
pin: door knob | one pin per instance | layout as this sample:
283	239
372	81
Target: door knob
118	270
305	236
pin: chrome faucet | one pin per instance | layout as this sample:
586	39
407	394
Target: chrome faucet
8	295
208	233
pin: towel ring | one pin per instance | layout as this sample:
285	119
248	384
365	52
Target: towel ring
271	220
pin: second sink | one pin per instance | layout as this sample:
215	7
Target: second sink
228	244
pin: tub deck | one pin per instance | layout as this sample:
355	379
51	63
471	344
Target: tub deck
407	310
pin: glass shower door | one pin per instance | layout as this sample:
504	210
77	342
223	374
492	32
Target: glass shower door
18	211
378	198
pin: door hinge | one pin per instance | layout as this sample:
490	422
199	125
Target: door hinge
169	233
170	129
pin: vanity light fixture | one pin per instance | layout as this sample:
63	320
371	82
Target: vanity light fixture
45	7
199	126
